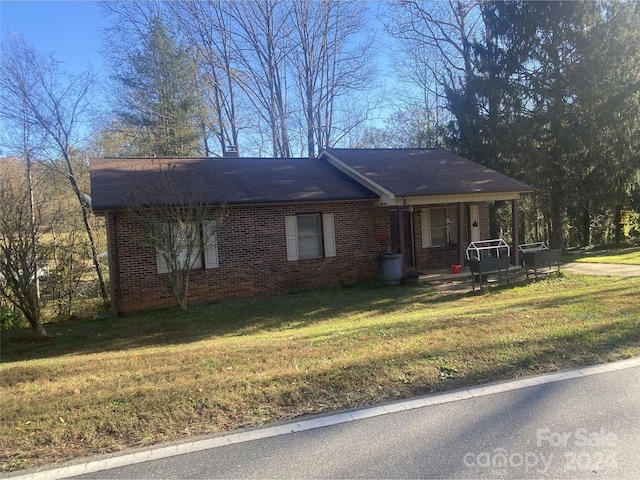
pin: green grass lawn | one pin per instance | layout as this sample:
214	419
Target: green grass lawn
627	256
117	383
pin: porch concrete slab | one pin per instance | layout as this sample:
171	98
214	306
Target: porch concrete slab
458	282
443	276
445	280
461	282
438	276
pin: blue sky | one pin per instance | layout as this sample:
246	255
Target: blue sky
70	29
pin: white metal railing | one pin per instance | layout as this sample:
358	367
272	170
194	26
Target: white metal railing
532	247
496	247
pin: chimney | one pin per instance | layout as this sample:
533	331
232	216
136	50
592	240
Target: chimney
231	152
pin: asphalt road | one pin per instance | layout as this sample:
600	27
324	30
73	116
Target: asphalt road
585	427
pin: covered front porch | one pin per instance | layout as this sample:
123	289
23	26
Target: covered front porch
434	202
434	236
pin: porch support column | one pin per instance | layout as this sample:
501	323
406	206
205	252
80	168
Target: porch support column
401	239
461	233
515	228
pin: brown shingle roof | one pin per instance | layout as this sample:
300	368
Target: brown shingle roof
117	182
120	182
425	172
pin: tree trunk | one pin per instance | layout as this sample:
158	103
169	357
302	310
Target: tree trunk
32	218
39	332
86	215
586	226
94	254
310	132
557	219
494	222
618	226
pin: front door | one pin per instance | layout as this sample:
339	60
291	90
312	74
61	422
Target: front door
401	228
474	222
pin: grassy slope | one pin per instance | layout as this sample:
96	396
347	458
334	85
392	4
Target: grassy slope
111	384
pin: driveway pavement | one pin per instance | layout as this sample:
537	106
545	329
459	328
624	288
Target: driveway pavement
601	269
576	268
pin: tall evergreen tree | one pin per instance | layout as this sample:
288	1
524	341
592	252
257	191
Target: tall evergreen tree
544	91
159	106
208	28
555	114
610	89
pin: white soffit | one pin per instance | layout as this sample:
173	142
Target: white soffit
387	201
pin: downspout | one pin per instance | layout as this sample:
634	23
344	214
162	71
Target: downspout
413	236
401	236
461	233
401	243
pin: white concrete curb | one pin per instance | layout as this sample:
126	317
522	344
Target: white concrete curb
157	453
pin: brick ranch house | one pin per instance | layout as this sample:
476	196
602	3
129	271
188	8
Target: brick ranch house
298	224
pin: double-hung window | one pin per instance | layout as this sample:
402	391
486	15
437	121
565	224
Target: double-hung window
186	245
310	236
439	226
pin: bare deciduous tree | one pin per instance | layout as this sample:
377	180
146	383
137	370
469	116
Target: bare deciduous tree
263	41
207	27
19	239
36	92
435	51
284	72
437	30
178	222
329	64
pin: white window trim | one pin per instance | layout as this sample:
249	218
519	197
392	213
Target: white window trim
425	221
211	257
328	236
329	233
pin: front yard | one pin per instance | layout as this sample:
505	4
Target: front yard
111	384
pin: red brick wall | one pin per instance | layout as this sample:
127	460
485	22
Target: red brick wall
253	256
485	233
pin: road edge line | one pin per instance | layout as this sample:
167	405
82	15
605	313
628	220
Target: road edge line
157	453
